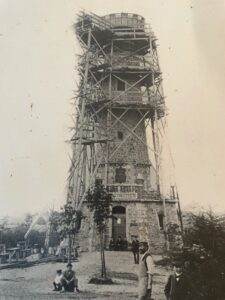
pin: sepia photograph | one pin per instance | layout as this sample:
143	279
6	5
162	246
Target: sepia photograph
112	152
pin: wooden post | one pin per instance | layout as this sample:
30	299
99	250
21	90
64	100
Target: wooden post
165	223
83	104
108	119
157	143
70	248
155	138
180	214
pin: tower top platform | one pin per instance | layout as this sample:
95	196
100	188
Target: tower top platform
113	24
119	20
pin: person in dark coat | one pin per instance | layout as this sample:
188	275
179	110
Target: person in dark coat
125	244
111	245
119	244
69	280
135	250
178	285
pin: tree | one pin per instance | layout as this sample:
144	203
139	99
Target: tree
99	201
52	235
203	254
28	220
68	221
174	235
14	235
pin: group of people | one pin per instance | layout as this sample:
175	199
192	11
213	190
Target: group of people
176	288
118	245
66	281
178	283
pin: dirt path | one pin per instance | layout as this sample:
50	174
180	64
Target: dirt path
36	282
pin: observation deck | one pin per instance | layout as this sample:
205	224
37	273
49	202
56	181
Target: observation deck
119	20
118	26
122	62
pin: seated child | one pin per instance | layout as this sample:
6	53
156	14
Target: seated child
69	280
58	281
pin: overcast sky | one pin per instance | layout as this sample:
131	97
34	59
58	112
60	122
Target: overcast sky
37	60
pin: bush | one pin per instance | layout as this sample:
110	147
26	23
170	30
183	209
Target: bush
203	256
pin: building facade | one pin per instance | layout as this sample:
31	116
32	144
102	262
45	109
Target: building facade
119	129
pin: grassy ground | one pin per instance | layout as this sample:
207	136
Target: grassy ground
36	282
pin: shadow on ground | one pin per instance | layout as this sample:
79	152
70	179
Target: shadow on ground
123	275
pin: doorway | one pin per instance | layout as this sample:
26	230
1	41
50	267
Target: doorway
119	222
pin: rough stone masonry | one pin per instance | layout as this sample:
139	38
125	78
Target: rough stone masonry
127	99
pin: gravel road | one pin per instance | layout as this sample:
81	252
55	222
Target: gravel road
35	282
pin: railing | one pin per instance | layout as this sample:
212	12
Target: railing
125	61
126	21
129	60
129	25
135	63
90	19
132	97
132	32
136	96
96	95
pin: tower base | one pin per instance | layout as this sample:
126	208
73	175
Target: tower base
142	219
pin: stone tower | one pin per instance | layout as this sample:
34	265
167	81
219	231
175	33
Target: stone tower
119	128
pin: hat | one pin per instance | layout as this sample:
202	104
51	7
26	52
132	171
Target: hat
59	271
145	244
178	264
69	265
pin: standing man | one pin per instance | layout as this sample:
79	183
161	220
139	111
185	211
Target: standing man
111	245
135	250
119	244
146	270
178	285
125	244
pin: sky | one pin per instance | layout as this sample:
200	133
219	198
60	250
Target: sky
38	79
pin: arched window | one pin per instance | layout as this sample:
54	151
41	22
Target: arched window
119	222
119	210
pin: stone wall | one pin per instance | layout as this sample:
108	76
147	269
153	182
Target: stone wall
141	221
132	150
128	152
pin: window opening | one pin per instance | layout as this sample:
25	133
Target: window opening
120	175
120	135
98	181
120	85
161	221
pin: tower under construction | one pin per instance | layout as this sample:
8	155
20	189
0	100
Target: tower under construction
120	129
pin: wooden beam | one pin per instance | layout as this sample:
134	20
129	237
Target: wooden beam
132	132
